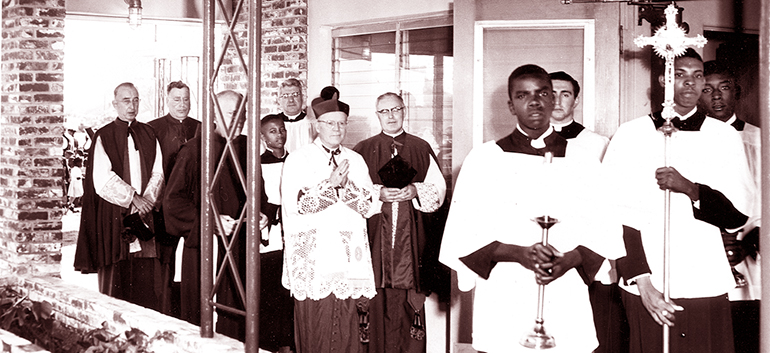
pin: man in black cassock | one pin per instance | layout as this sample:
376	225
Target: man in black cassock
182	212
124	176
406	174
172	130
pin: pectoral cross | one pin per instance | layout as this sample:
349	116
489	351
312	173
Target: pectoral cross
669	42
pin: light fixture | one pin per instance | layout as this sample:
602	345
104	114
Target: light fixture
134	13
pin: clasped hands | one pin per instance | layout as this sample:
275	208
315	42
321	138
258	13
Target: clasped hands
142	204
339	176
547	263
398	195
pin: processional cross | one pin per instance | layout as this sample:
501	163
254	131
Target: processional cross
669	42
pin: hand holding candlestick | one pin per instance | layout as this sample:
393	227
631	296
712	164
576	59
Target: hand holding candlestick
538	338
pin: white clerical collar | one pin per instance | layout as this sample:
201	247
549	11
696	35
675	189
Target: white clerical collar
540	141
394	135
293	116
731	120
285	152
558	126
684	117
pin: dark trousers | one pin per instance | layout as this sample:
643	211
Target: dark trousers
609	318
746	325
704	326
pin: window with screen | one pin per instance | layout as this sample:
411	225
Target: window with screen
408	58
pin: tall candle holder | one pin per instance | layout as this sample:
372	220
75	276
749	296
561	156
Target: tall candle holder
538	338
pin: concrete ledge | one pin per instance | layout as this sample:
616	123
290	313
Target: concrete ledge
15	344
88	310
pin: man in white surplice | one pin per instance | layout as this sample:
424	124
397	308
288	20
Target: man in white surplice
494	245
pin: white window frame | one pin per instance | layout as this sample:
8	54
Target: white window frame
588	89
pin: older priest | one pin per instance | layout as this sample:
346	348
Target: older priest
124	176
326	195
407	177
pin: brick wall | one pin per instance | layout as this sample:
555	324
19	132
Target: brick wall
31	127
284	51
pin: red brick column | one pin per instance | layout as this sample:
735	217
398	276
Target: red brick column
31	123
284	51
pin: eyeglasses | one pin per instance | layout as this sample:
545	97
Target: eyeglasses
333	124
393	110
289	95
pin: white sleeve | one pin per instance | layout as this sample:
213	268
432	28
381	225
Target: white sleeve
154	188
108	185
431	192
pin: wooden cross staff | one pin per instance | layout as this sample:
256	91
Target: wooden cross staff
669	42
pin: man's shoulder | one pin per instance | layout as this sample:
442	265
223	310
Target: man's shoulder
138	125
637	125
190	121
752	129
366	142
106	129
417	141
590	134
190	148
352	153
718	126
159	122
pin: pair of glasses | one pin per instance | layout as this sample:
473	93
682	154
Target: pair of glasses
393	110
289	95
333	124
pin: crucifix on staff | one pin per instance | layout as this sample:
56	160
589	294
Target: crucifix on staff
669	42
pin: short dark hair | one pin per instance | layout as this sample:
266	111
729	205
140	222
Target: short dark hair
269	118
688	53
563	76
691	53
176	84
719	68
527	70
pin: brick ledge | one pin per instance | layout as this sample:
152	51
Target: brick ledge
88	310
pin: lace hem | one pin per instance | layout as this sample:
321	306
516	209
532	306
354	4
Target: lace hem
315	269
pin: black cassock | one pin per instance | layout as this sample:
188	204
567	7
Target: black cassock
181	207
410	262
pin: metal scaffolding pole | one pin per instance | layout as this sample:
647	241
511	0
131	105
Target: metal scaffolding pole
207	169
253	271
764	113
